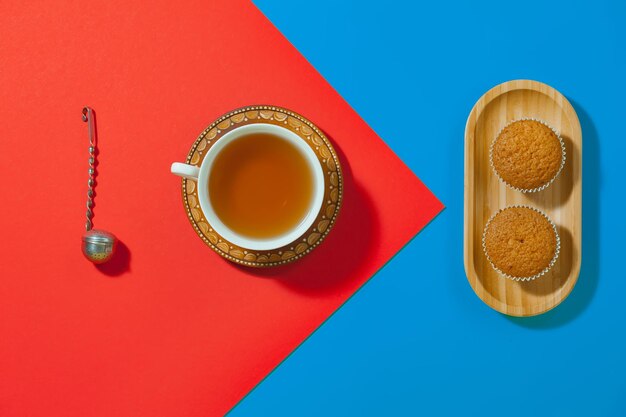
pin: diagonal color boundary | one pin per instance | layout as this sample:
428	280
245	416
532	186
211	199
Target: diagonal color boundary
333	313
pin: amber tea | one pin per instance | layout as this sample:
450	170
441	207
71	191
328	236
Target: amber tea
261	186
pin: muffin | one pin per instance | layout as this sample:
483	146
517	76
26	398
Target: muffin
527	155
521	243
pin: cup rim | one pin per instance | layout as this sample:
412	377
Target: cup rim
266	243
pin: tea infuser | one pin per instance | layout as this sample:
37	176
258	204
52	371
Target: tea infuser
98	245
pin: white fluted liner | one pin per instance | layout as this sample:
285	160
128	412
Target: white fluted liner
544	186
552	262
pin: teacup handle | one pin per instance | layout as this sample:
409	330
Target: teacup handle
186	171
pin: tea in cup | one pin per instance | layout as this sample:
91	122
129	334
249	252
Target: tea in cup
260	186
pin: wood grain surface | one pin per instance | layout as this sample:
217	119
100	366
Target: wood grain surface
485	194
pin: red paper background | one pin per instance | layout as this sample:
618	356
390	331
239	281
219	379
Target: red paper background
169	328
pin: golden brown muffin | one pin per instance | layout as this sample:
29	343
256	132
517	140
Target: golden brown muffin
527	155
521	242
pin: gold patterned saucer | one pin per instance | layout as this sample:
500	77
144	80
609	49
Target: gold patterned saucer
333	183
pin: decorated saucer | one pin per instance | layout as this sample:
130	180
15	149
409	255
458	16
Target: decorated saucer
333	186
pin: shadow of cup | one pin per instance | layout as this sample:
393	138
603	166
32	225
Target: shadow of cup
337	261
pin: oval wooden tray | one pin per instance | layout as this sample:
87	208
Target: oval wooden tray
485	194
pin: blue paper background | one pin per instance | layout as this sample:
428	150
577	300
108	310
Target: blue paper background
416	340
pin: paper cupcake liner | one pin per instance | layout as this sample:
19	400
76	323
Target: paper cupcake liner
546	269
544	186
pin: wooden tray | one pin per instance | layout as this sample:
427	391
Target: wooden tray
485	194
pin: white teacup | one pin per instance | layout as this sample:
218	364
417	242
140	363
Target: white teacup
202	174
